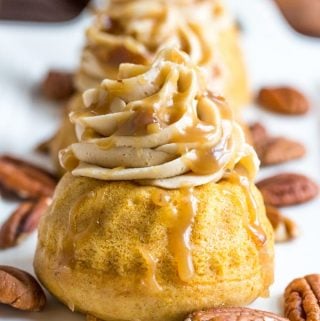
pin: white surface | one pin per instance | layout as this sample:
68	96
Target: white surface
275	55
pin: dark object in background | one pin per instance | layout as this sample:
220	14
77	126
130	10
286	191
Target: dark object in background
302	15
41	10
287	189
58	85
274	150
283	100
239	25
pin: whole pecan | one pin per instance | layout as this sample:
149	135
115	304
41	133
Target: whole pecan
287	189
58	85
278	150
22	222
284	228
274	150
24	179
303	15
20	290
302	299
234	314
283	100
32	170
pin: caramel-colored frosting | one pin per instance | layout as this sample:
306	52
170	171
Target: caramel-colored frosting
158	125
134	31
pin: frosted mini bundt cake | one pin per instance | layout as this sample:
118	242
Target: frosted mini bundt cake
158	214
134	31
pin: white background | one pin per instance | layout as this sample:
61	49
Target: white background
275	55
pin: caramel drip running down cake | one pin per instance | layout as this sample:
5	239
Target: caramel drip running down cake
158	214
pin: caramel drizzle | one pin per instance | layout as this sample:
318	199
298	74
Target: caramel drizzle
68	160
179	224
180	229
255	229
180	238
150	280
72	233
254	226
208	160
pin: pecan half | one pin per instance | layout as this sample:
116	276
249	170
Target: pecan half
279	150
234	314
274	150
284	228
24	179
283	100
302	299
287	189
303	15
58	85
20	290
259	133
22	222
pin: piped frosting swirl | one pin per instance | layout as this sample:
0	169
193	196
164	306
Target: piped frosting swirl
158	125
135	30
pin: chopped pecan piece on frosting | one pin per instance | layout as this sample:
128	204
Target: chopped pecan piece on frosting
121	54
